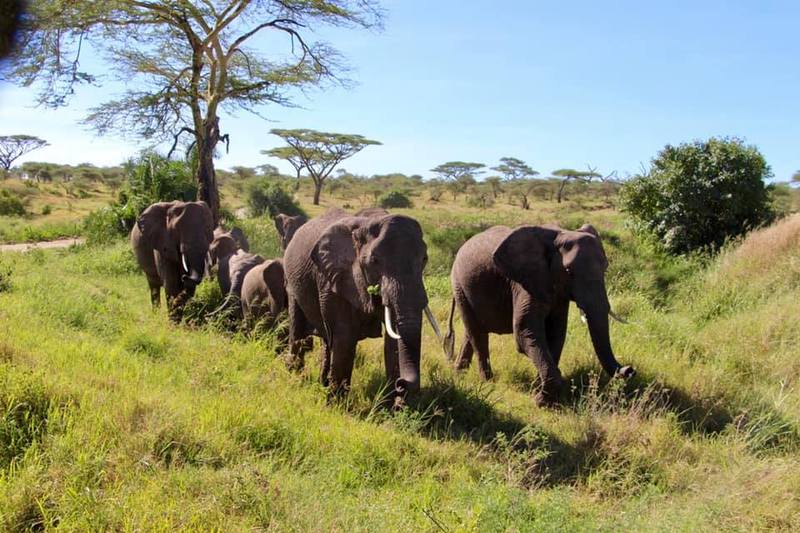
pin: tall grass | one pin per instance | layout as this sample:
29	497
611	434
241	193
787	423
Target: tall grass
113	418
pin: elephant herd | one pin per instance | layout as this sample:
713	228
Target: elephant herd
346	277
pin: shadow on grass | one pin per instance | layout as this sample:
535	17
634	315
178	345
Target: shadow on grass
696	414
449	411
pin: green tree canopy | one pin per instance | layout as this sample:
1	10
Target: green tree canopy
182	61
12	147
457	170
514	169
319	152
567	174
700	194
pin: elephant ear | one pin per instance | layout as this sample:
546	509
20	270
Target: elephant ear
588	228
280	224
335	256
153	225
524	257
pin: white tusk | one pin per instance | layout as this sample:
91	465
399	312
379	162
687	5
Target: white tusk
388	323
583	317
432	320
613	315
185	266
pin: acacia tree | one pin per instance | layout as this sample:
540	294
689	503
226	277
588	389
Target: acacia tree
458	170
183	61
514	169
12	147
318	151
570	174
290	155
494	184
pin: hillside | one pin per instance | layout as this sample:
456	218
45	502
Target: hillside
114	419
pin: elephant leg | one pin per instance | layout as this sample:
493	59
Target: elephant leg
155	291
556	326
480	341
464	358
173	289
531	337
475	339
325	364
342	360
298	337
391	360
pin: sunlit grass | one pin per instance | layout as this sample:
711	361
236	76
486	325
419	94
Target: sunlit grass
115	419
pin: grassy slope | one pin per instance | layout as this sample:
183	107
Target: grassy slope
67	210
115	419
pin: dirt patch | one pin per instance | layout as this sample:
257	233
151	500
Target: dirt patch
26	246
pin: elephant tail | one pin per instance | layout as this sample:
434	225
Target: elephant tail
449	341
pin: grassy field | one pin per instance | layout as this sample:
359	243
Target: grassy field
55	210
112	418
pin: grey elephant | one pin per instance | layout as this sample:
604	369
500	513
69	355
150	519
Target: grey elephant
171	241
233	264
236	234
264	291
345	275
521	281
287	226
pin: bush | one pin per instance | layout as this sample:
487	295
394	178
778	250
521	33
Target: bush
11	205
394	199
701	194
450	238
267	197
480	198
149	178
46	210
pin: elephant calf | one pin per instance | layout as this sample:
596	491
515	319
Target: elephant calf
171	241
233	265
264	291
521	281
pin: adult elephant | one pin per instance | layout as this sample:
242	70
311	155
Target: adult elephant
344	276
521	281
287	226
171	240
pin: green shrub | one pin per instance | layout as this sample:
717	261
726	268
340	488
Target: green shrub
46	210
149	178
480	198
267	197
5	277
447	241
701	194
394	199
11	205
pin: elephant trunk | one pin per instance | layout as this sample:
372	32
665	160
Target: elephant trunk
194	263
408	322
597	319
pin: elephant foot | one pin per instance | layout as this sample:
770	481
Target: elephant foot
294	363
625	372
549	394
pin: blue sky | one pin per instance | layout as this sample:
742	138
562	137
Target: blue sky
558	84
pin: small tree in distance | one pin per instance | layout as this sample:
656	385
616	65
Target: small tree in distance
319	152
567	174
458	170
514	169
12	147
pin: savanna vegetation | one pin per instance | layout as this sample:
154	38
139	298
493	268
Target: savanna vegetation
115	419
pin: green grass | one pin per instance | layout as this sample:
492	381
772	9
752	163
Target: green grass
111	418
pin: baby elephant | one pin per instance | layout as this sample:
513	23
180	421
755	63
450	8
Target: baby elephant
233	265
264	292
521	281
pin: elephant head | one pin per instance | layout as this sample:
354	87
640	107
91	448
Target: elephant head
376	264
548	259
236	233
287	226
222	246
181	232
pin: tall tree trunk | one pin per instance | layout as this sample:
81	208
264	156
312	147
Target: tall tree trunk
207	190
317	191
